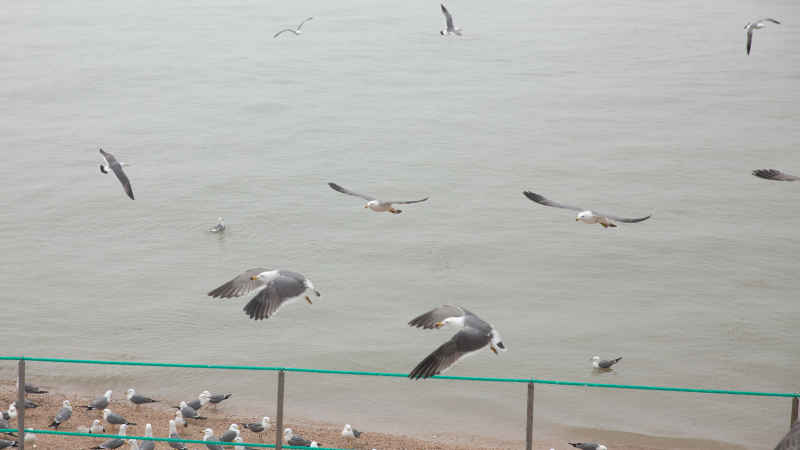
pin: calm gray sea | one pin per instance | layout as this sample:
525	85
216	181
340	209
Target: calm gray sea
629	106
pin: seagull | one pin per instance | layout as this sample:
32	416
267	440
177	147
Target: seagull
134	444
173	434
451	29
197	403
275	289
584	215
147	445
297	31
475	334
114	418
31	389
208	435
179	419
350	432
373	203
6	443
588	446
216	399
95	428
4	425
792	439
100	402
112	163
604	364
62	415
314	444
258	428
239	440
189	413
774	174
219	227
231	434
12	412
114	442
137	399
295	440
757	25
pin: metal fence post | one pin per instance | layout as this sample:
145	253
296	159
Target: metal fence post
279	427
793	417
21	404
529	424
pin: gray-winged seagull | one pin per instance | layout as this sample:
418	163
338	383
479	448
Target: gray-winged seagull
100	403
62	415
297	31
474	335
208	435
774	175
375	204
451	29
584	215
588	446
137	399
757	25
112	163
115	419
275	289
605	364
189	413
173	434
219	227
295	440
349	432
114	442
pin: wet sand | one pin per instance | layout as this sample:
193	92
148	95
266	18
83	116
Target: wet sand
326	434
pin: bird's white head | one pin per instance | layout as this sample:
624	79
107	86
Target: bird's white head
602	447
107	395
131	392
497	342
66	404
584	216
234	427
207	433
182	404
96	422
179	414
265	421
287	434
595	358
148	430
106	412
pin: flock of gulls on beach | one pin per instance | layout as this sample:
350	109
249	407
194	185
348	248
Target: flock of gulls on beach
275	288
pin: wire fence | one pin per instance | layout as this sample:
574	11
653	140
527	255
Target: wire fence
530	382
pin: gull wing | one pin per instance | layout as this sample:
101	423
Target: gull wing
242	284
406	202
774	174
749	39
117	168
270	299
285	30
448	17
303	23
338	188
432	317
540	199
465	341
622	219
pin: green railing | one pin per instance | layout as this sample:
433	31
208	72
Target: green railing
795	396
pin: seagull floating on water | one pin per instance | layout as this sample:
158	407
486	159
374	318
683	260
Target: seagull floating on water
757	25
62	415
297	31
275	288
774	175
584	215
451	29
588	446
373	203
350	432
474	335
605	364
112	164
219	227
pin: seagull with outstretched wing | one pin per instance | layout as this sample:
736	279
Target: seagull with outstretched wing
584	215
757	25
275	288
451	29
111	163
375	204
297	31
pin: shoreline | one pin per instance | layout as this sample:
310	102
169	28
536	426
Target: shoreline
327	434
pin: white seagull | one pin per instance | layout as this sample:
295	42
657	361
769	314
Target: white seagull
373	203
757	25
474	335
584	215
297	31
111	163
219	227
451	29
350	432
275	288
604	364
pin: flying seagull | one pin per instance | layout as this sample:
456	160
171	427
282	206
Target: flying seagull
115	442
584	215
774	174
114	418
604	364
219	227
137	399
295	440
757	25
258	428
208	435
792	439
99	403
451	29
588	446
275	289
62	415
112	163
475	334
350	432
373	203
173	434
297	31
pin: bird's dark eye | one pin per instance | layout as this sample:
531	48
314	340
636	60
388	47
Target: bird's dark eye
500	344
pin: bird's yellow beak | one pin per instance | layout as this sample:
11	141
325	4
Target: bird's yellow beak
439	324
308	300
493	349
254	277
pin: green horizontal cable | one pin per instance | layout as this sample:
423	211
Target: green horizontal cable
145	438
402	375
